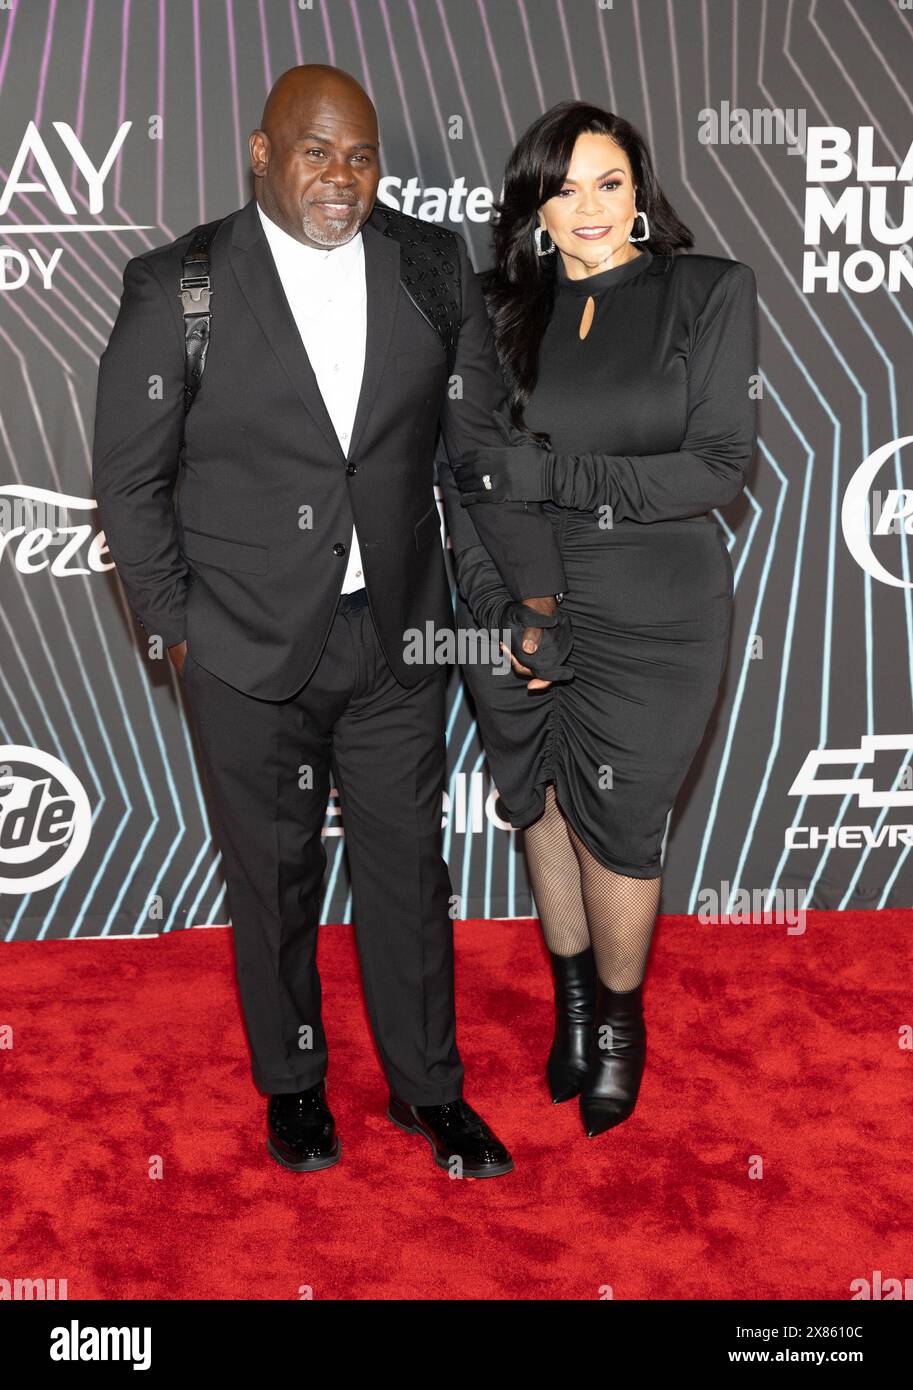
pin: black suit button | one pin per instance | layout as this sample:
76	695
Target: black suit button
350	469
339	548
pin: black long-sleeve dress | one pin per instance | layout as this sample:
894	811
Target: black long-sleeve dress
652	421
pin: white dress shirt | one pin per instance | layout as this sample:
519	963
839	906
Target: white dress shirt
327	297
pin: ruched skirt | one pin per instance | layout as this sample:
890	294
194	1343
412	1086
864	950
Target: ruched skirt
651	608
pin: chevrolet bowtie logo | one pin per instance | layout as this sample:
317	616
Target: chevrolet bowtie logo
806	784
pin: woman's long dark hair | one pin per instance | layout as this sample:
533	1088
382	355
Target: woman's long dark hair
520	287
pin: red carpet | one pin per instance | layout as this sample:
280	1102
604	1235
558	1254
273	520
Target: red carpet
760	1044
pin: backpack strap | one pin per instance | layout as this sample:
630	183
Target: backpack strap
429	272
196	293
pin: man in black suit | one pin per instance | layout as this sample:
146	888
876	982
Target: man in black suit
280	545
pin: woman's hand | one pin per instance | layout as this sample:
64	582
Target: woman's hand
531	641
515	471
546	646
502	473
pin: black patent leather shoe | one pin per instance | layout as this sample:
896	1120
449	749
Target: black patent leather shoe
301	1130
455	1132
612	1083
575	1010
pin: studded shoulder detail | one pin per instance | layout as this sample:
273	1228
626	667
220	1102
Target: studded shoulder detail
429	271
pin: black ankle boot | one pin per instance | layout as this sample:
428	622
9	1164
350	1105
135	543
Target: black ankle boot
575	1005
617	1058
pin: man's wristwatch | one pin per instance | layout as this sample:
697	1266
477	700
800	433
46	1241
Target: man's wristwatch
559	597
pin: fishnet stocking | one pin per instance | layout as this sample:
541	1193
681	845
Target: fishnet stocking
554	875
580	901
621	913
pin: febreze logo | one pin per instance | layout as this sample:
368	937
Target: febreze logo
45	819
35	532
895	514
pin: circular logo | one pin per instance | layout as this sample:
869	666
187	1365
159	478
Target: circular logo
45	819
853	514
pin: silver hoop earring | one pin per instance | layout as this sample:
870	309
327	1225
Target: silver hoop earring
643	218
537	242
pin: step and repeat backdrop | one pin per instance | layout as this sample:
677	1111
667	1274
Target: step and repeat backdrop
783	133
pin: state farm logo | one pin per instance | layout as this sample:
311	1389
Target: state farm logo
45	819
892	515
37	533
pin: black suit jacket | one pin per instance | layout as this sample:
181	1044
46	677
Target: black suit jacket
234	530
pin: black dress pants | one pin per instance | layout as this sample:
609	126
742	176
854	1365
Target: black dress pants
267	765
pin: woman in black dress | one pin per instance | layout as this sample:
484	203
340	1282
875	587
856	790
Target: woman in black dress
630	372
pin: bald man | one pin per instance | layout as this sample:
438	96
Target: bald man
279	544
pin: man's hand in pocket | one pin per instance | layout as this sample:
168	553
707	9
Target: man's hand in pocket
177	655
